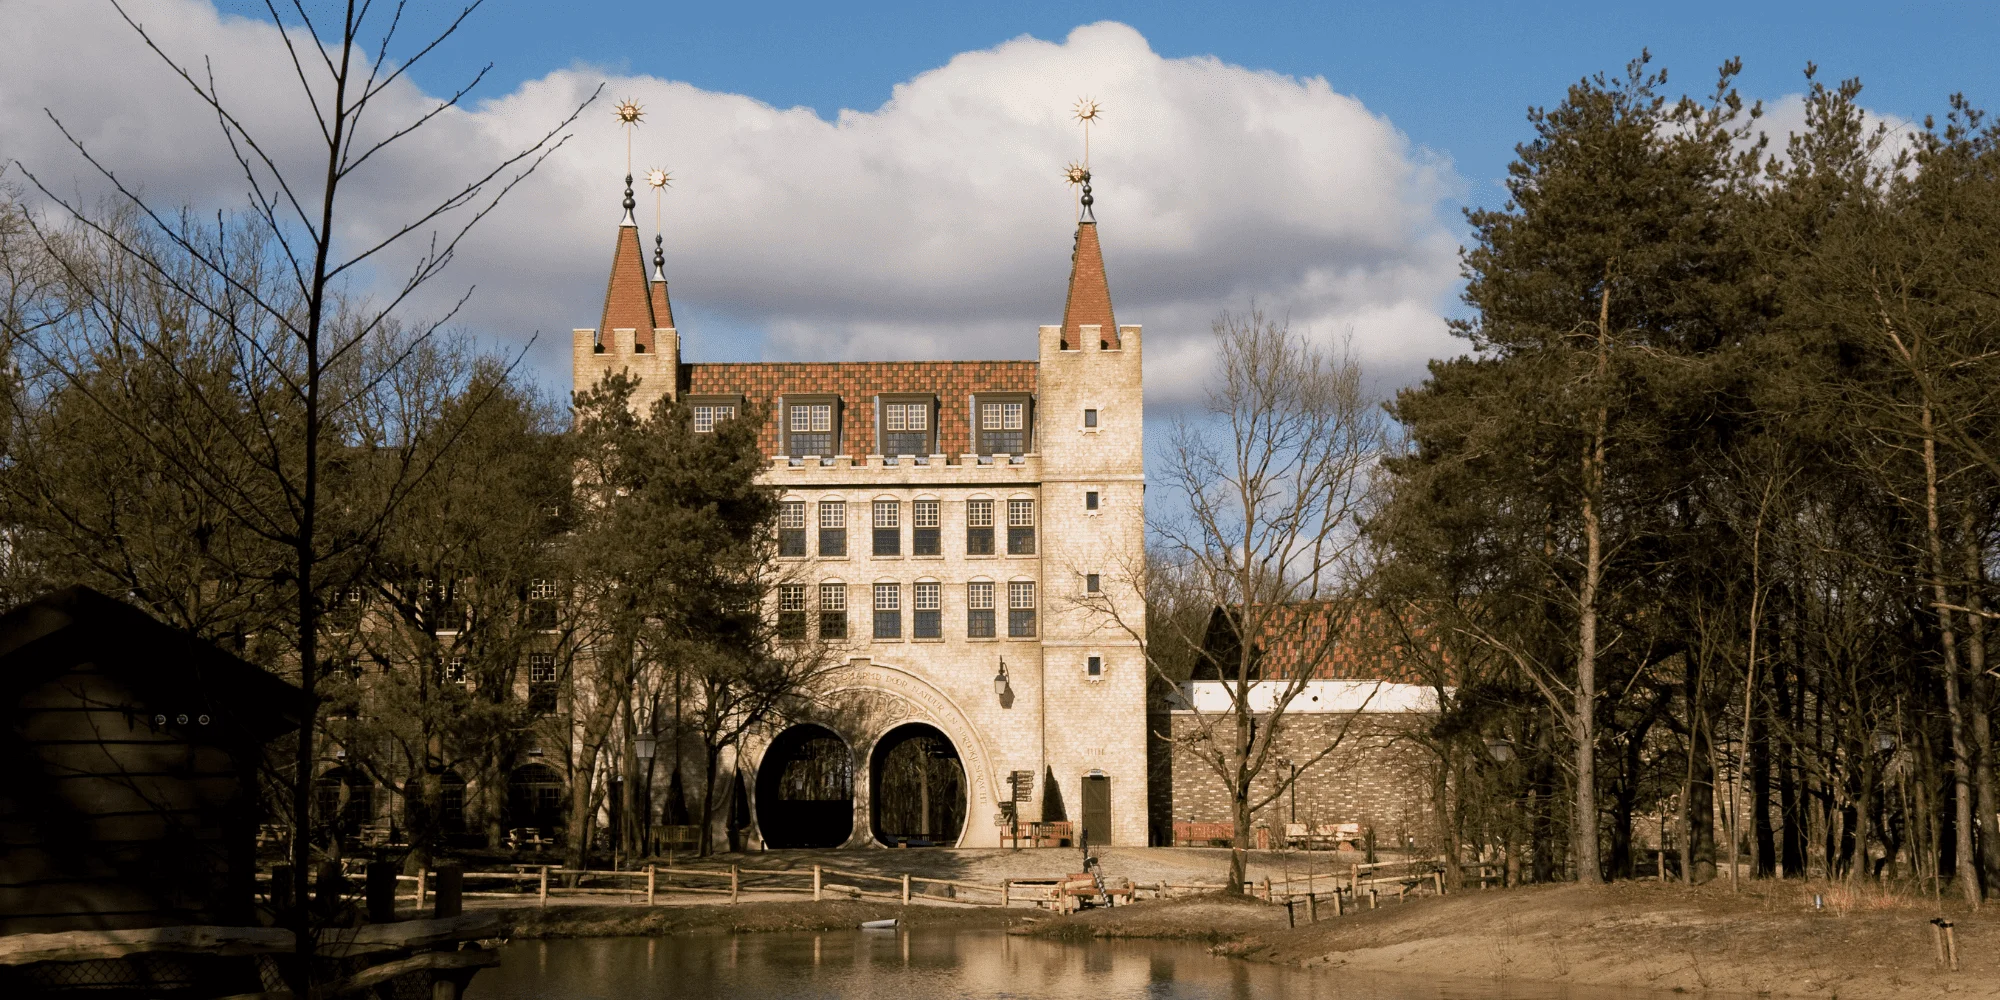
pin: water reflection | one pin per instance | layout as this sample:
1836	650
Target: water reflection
873	965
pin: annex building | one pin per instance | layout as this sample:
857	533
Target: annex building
964	533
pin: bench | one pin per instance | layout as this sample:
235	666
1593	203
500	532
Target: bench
1204	834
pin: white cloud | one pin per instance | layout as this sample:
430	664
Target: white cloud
934	226
1786	117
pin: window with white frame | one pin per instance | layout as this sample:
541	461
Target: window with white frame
888	611
791	611
927	601
979	527
707	415
1021	609
1003	426
888	528
832	528
924	528
809	428
833	611
979	609
906	426
792	528
1020	527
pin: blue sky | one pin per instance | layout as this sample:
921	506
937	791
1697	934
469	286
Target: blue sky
885	182
1456	77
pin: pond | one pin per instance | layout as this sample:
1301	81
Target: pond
894	965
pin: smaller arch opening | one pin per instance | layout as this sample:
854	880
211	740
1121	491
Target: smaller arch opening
535	799
918	788
805	789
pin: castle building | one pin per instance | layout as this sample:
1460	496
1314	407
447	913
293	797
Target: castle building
965	535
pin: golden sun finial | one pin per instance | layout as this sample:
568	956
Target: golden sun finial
629	112
1088	110
1076	174
659	178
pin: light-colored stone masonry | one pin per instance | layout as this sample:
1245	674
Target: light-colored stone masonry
1055	719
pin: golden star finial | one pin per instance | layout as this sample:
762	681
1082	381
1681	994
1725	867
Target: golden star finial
659	178
629	112
1088	110
1076	174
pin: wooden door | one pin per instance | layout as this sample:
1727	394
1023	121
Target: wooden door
1097	810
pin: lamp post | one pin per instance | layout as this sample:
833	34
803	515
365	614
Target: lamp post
643	747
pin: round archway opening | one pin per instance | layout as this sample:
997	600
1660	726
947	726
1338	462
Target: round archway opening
805	789
916	788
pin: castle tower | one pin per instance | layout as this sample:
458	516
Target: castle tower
1092	438
636	333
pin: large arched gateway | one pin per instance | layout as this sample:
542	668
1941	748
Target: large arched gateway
805	789
916	787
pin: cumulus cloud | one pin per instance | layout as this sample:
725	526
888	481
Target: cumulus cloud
934	226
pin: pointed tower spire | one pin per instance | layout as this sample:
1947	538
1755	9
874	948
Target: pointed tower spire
628	302
663	310
1089	302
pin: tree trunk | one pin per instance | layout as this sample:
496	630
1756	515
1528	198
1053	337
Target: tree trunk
1965	870
1791	810
1763	839
1978	710
712	758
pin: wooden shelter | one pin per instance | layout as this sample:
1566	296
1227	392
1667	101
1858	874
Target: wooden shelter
129	757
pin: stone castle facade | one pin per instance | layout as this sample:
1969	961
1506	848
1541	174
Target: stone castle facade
964	534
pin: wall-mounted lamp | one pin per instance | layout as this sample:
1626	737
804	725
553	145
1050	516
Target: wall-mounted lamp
1000	680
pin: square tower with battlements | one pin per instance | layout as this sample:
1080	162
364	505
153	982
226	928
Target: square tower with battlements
967	534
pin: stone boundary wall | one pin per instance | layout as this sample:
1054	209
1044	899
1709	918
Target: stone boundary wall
1377	777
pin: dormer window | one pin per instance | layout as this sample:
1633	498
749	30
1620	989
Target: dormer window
812	425
712	410
1004	424
908	425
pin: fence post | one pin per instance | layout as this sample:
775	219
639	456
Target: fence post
1006	890
1354	881
1438	878
450	891
906	888
381	891
815	883
542	893
1339	903
421	874
650	872
735	883
1312	908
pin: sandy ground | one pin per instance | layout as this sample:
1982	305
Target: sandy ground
1767	939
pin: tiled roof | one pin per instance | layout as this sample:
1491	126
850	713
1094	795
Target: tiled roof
1292	638
857	383
628	303
1089	294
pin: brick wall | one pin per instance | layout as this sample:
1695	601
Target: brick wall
1376	777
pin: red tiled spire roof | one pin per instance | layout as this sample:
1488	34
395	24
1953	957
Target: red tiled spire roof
1089	295
628	302
663	309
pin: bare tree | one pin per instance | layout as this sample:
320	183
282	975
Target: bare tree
1275	472
276	285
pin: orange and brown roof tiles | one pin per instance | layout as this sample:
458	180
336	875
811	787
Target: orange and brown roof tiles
628	302
1089	299
856	383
